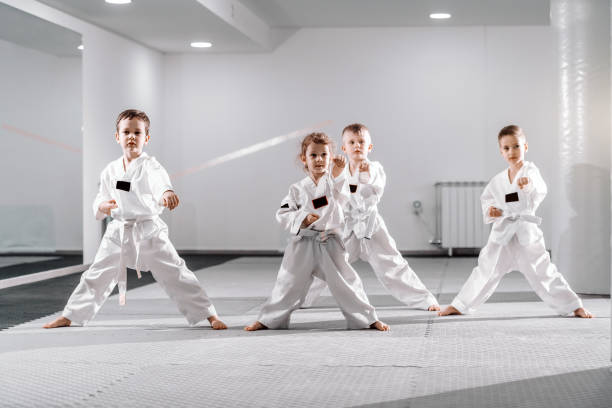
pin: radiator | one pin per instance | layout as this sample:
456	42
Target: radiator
459	222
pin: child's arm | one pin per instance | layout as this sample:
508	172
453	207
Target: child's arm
532	188
103	202
339	185
290	214
160	184
490	211
372	182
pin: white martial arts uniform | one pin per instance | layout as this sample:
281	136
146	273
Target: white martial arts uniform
516	243
137	238
366	237
316	251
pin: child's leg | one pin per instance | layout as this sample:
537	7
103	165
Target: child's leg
344	284
181	285
494	262
544	278
292	282
352	246
395	274
95	286
317	287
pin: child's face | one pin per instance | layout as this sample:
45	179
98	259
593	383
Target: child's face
356	146
513	148
132	136
317	159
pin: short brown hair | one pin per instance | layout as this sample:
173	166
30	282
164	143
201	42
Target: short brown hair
511	130
131	114
356	128
317	138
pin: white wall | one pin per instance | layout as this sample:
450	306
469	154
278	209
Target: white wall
40	208
434	99
117	74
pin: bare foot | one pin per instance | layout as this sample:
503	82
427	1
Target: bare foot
433	308
255	326
216	324
59	322
378	325
449	310
582	312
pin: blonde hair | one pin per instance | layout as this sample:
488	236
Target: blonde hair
317	138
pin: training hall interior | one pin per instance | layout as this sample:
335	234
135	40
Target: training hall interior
231	88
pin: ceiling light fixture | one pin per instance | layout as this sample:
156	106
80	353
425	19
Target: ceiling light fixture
118	1
200	44
81	47
439	16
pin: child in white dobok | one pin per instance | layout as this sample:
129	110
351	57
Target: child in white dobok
510	201
134	190
365	234
312	212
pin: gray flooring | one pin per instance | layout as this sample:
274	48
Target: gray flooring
16	260
514	352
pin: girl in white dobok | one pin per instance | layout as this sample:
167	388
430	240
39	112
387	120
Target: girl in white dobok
312	212
365	234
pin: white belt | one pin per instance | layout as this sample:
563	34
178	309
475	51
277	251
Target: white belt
515	220
361	222
523	217
320	236
129	252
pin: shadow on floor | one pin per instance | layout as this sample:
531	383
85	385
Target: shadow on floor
24	303
588	389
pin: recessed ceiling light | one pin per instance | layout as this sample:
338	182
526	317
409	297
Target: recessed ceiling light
199	44
81	47
439	16
118	1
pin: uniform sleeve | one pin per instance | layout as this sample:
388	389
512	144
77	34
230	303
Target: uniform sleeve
372	187
159	181
487	199
340	188
102	196
535	191
290	214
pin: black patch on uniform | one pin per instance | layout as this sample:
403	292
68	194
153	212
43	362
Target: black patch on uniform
123	185
512	197
353	188
285	205
319	202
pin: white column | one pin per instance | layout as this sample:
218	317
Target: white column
581	190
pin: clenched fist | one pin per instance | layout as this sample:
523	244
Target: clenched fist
170	200
522	182
495	212
339	163
106	206
364	167
310	218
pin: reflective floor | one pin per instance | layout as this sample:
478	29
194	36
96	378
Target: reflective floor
514	352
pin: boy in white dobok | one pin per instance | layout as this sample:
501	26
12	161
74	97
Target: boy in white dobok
312	212
510	201
134	190
365	234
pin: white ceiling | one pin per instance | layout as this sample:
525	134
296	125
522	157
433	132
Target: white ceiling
32	32
398	13
260	25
